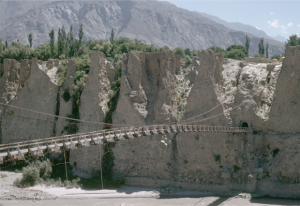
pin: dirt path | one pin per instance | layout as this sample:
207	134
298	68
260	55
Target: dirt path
124	196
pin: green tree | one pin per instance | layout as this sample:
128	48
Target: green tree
112	36
1	46
178	51
52	41
247	44
30	40
6	44
293	40
81	33
71	42
187	51
261	46
267	50
64	40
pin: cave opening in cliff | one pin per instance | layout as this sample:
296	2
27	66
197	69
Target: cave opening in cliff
245	124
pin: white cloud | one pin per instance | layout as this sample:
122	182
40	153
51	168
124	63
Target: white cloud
283	29
274	23
298	25
271	13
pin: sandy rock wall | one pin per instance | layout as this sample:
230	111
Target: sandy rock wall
94	98
65	98
9	82
147	89
40	94
93	107
285	111
261	162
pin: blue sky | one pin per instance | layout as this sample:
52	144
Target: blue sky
273	17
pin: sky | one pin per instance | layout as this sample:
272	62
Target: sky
274	17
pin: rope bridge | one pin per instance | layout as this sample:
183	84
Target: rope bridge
39	147
16	151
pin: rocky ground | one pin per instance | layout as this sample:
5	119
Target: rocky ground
9	192
40	195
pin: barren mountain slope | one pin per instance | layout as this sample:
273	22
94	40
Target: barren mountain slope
155	22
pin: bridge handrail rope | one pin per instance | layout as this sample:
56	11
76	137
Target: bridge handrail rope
109	135
131	130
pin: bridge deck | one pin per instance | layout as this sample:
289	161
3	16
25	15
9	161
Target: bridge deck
17	150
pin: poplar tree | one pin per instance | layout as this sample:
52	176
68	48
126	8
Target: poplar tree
1	46
267	50
112	36
59	43
71	42
247	44
261	47
30	40
81	33
64	39
52	42
6	44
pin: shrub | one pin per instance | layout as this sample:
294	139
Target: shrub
276	57
260	55
34	173
178	51
66	95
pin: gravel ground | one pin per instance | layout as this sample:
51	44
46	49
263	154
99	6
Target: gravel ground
9	192
124	196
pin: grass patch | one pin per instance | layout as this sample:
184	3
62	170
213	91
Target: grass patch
236	168
275	152
218	158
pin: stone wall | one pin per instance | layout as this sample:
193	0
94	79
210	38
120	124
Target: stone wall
257	60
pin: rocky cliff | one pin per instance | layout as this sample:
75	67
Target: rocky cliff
39	93
153	22
155	89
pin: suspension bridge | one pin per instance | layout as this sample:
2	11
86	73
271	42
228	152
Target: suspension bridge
39	147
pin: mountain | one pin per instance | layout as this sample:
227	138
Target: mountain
280	38
237	26
153	22
10	9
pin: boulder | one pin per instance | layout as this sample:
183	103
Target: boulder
274	60
38	94
281	59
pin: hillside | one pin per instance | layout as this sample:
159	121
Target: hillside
153	22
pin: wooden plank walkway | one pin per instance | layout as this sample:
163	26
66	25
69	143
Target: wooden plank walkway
17	150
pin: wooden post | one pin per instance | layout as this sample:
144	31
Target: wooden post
100	164
65	164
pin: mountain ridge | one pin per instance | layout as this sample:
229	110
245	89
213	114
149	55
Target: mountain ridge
153	22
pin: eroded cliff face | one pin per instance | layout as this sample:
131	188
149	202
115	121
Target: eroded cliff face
93	107
39	93
263	95
147	89
263	162
65	98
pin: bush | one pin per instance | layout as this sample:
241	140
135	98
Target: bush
260	55
276	57
34	173
178	51
66	95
